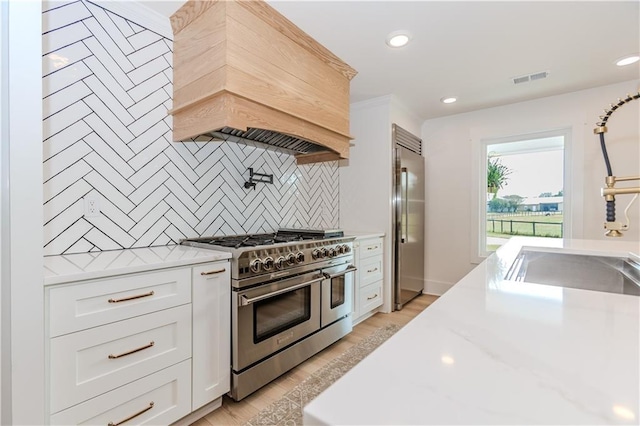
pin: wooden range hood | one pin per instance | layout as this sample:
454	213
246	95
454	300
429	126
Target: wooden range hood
242	71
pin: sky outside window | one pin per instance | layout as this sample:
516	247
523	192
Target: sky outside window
533	173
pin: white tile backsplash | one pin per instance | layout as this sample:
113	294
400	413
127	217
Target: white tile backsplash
60	17
64	36
107	134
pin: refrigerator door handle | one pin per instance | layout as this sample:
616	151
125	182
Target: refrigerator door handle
404	221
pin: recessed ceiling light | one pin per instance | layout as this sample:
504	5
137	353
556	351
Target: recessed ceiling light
627	60
448	100
398	38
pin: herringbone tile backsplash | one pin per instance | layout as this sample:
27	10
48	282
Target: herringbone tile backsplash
107	88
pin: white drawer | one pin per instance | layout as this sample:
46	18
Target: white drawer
88	363
80	306
167	392
370	297
370	270
370	247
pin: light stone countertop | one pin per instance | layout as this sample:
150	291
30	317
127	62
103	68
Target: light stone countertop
491	351
363	235
92	265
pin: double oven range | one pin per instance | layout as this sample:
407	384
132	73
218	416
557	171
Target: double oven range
291	298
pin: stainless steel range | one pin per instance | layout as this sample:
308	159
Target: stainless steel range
292	297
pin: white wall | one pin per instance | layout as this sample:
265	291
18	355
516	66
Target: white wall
453	157
5	290
25	210
405	118
366	184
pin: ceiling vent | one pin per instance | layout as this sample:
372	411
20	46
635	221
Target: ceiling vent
530	77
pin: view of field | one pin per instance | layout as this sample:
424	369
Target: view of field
538	224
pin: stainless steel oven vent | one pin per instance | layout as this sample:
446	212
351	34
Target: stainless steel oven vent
407	139
267	137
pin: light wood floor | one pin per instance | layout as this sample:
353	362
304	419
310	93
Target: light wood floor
236	413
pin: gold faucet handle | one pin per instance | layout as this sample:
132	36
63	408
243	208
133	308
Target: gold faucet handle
614	228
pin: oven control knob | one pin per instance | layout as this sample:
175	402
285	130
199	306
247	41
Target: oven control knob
291	259
323	253
255	265
347	249
340	249
267	263
299	257
315	254
280	262
331	252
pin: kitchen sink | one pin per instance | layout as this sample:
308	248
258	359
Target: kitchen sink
598	273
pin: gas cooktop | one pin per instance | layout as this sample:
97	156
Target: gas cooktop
282	253
255	240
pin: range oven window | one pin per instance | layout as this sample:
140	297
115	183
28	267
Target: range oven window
337	291
279	313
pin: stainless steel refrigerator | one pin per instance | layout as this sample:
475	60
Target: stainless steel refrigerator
409	217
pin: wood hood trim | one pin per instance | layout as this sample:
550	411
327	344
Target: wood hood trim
191	10
228	110
209	97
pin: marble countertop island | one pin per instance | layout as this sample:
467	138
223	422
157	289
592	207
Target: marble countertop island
492	351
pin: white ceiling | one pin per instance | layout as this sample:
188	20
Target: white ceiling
470	49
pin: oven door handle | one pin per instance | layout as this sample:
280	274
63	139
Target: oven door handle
244	300
350	268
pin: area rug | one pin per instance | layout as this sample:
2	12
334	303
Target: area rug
288	409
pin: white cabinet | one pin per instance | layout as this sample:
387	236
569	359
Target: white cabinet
97	302
158	399
211	356
368	283
103	358
140	348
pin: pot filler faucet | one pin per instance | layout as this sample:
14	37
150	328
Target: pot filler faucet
609	193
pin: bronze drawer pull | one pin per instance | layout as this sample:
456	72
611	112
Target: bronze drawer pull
372	248
219	271
372	270
124	299
133	416
133	351
372	297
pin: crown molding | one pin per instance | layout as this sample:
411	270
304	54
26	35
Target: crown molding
370	103
139	14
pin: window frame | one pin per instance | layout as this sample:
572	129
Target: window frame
479	187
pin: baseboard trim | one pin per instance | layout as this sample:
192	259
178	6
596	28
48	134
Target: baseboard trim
199	413
367	315
437	288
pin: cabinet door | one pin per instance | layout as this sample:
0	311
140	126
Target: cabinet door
211	358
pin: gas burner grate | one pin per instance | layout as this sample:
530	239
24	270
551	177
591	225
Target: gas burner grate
256	240
237	241
287	238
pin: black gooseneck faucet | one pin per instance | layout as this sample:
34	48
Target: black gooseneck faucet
613	228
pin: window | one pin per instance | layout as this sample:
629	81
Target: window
522	189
